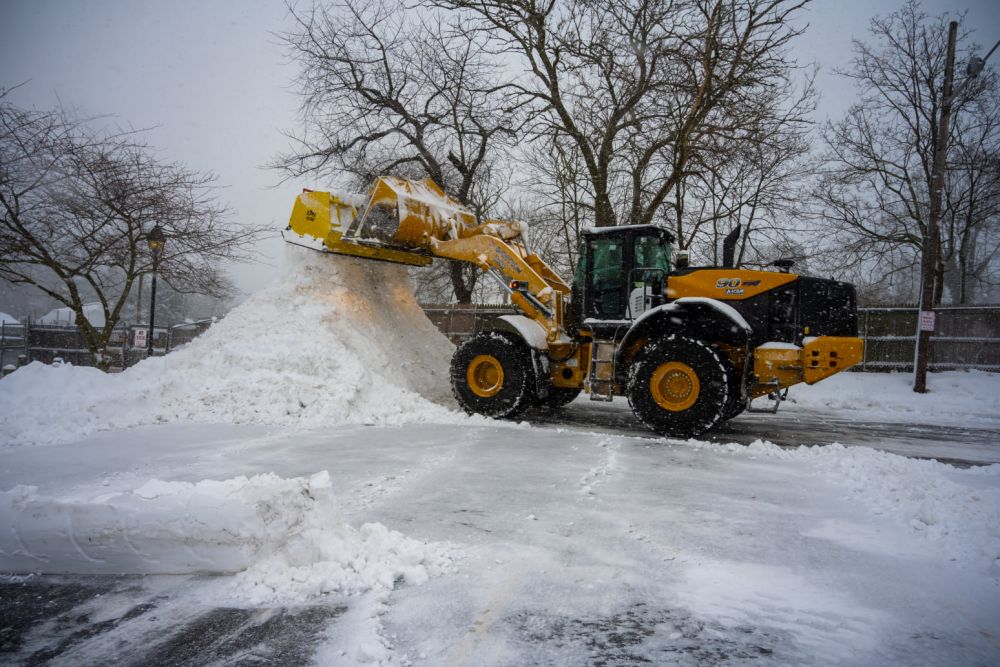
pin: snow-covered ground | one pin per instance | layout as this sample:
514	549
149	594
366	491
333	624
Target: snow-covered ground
970	398
283	490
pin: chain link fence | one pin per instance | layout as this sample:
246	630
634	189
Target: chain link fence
965	337
21	344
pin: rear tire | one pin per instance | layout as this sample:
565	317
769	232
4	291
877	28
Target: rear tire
679	387
492	375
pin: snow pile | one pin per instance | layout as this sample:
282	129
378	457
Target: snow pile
949	507
954	397
285	537
339	340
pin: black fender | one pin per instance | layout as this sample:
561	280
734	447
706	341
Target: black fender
705	319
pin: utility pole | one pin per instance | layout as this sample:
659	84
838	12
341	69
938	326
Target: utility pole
932	235
138	300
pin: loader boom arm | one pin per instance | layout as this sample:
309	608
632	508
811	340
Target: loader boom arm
409	221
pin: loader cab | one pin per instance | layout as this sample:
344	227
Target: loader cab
622	272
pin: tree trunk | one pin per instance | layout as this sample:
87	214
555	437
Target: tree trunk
462	289
604	213
938	282
96	341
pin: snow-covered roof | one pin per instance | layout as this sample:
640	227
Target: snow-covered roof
94	313
597	231
8	319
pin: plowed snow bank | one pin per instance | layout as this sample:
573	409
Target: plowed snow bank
954	397
338	340
286	537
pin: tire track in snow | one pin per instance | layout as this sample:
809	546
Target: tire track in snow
365	494
616	470
596	476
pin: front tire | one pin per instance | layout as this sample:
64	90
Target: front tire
492	375
679	387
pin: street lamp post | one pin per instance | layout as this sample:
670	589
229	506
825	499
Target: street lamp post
156	241
929	252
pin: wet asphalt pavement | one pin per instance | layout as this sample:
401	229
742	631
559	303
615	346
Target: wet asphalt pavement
44	618
957	445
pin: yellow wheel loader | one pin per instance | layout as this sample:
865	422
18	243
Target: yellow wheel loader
688	346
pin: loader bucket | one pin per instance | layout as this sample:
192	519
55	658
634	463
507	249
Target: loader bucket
421	213
325	218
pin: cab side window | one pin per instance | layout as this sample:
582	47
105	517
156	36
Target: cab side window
650	253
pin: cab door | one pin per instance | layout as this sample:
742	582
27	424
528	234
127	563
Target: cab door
606	281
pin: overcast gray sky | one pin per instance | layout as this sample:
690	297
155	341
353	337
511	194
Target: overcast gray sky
215	84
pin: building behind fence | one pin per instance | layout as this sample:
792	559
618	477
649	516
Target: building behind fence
965	337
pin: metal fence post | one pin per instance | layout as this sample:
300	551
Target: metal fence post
864	349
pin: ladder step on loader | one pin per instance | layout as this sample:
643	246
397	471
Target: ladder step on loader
602	371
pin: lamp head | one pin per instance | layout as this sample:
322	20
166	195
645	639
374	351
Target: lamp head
156	241
974	66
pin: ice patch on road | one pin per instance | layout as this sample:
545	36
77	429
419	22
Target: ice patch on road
947	507
754	594
338	340
285	538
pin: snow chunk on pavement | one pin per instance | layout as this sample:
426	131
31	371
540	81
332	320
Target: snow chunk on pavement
338	340
285	537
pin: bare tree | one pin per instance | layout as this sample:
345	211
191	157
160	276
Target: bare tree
970	257
560	202
751	180
77	206
387	91
638	87
873	198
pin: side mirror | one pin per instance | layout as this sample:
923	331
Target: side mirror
783	265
